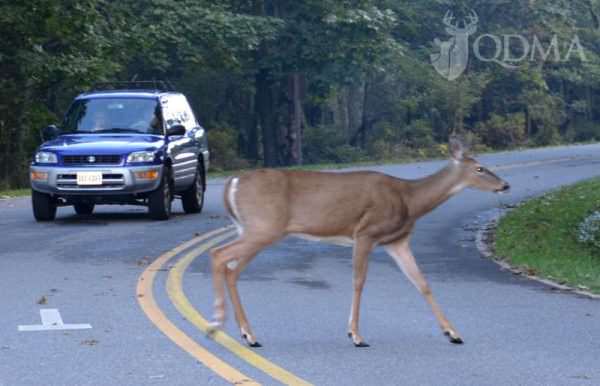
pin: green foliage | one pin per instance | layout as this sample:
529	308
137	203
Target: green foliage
325	144
503	131
223	150
583	132
365	86
418	134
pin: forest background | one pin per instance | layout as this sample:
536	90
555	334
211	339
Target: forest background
291	82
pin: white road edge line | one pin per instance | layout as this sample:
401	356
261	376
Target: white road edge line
52	321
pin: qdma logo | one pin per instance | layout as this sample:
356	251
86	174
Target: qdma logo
453	56
509	51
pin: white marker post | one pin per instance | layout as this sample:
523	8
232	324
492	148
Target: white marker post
51	321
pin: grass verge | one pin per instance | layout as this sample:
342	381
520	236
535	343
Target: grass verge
540	236
12	193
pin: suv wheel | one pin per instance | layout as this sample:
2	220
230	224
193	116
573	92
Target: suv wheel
193	198
84	208
44	206
159	201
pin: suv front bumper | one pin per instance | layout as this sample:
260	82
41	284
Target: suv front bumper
62	181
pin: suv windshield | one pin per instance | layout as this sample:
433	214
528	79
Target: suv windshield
114	115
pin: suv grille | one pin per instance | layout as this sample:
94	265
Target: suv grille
110	181
91	159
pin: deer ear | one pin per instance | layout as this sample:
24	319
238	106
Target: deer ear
457	148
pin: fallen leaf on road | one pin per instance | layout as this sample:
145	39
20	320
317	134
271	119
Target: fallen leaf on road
581	377
143	261
89	342
43	300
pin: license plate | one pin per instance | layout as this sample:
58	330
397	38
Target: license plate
89	178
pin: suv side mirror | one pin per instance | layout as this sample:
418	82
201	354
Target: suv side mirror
176	130
49	133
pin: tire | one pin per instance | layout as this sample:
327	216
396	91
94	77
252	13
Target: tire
44	206
193	198
83	208
159	201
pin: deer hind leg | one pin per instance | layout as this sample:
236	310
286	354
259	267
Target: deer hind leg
233	257
360	262
232	274
401	253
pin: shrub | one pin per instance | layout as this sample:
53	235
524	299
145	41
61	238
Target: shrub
589	230
503	131
223	144
419	134
323	144
584	131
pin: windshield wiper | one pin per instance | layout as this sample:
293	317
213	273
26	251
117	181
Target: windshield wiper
117	130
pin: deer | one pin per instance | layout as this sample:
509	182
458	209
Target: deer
362	208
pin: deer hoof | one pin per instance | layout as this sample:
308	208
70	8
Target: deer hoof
453	337
213	327
251	342
357	340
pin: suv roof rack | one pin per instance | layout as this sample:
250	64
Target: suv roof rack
156	85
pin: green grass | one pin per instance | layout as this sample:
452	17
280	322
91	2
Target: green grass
540	236
11	193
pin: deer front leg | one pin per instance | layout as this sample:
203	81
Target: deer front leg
219	256
401	253
228	262
360	261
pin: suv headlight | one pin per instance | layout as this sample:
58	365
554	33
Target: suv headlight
45	157
141	157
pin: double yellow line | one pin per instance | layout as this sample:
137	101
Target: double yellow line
197	247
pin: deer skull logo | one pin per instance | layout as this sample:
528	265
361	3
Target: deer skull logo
453	56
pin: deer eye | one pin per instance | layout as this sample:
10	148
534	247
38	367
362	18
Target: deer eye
479	170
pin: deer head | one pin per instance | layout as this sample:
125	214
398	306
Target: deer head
472	172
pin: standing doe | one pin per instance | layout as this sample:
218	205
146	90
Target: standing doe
365	209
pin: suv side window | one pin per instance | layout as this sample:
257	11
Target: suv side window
176	110
190	113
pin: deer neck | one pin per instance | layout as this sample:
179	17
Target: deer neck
429	192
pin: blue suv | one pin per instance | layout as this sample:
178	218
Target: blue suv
122	146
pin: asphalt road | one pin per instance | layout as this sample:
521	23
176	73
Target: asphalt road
297	295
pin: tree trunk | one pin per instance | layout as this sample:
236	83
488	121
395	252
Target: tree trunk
341	112
365	123
251	130
296	119
360	136
266	119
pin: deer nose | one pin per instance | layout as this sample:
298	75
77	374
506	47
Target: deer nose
505	187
